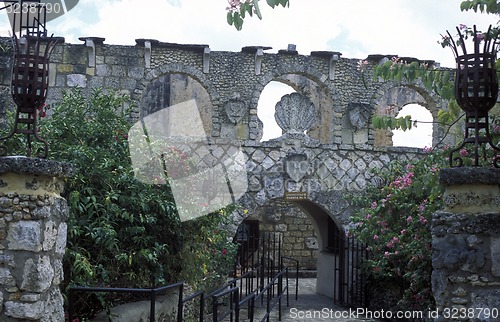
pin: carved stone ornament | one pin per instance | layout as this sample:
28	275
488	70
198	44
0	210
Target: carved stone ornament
235	110
295	113
297	166
359	114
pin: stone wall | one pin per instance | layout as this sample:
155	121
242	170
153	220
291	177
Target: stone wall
227	85
32	239
298	237
466	246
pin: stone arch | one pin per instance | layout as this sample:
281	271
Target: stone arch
399	95
266	108
190	84
310	82
419	136
177	69
326	200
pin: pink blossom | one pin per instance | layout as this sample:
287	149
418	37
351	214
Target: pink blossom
462	26
403	232
224	251
375	237
463	153
387	255
404	181
423	220
480	36
374	205
428	149
390	244
362	64
496	129
409	219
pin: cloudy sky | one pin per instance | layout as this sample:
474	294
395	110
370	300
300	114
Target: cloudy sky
409	28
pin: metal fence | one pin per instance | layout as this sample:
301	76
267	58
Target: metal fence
257	287
350	289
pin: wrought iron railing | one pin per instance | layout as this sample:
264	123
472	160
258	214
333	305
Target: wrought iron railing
152	292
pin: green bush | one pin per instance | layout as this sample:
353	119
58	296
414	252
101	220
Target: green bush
121	232
395	223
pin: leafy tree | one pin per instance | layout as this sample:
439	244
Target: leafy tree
238	9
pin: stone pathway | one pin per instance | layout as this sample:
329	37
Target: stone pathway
311	307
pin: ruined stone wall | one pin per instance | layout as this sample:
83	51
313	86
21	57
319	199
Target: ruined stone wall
344	97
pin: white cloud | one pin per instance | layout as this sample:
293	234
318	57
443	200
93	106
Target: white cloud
355	28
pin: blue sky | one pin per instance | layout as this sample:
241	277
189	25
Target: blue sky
408	28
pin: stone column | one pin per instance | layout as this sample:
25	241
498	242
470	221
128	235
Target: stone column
466	246
33	233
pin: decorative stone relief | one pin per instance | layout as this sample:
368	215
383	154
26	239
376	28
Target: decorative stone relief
235	110
295	113
471	199
296	166
359	114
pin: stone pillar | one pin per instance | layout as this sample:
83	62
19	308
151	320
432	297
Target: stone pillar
33	233
466	246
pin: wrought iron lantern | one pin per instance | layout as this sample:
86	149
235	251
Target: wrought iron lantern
30	76
476	92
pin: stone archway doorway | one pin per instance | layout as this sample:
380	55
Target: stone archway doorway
307	233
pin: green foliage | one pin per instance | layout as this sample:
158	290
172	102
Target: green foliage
395	222
483	6
238	10
121	232
399	123
437	80
208	257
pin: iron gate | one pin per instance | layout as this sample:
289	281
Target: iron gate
350	281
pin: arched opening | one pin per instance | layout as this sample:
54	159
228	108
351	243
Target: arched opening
303	231
175	88
271	95
420	135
